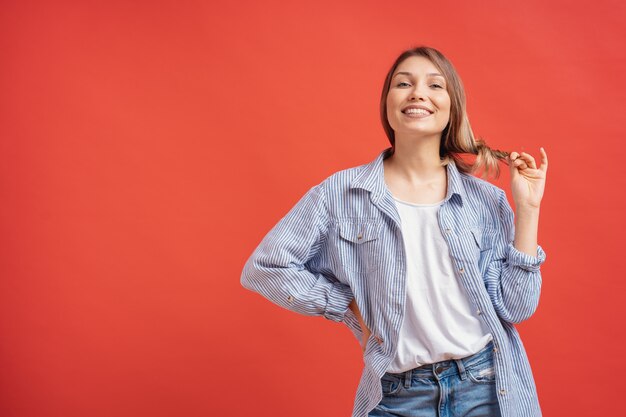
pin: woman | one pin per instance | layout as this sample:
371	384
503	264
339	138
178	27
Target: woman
423	261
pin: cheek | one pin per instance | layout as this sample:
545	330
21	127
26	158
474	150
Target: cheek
446	107
445	117
391	109
445	101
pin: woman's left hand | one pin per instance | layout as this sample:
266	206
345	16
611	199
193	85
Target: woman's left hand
527	181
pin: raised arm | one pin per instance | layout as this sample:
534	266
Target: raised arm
277	269
513	276
527	186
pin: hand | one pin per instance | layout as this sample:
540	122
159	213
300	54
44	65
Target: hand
366	332
527	181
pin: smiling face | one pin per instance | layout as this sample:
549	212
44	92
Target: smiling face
418	102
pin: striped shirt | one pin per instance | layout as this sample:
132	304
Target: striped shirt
342	240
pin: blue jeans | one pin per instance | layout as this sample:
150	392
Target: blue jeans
453	388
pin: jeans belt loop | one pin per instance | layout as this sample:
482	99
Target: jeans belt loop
462	371
408	375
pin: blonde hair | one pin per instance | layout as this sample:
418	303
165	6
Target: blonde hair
457	138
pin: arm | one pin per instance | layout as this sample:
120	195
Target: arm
513	277
518	256
277	267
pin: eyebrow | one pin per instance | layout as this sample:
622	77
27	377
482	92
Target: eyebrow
436	74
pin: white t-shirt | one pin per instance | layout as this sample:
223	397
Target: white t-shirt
439	323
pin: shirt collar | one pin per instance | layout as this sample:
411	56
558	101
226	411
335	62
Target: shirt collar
371	178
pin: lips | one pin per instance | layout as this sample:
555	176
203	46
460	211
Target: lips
416	106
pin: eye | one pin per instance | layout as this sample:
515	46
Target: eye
402	82
437	85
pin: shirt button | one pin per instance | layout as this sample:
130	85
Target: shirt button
461	270
359	236
290	298
479	312
502	391
495	349
448	230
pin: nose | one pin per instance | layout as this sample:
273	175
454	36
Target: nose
418	93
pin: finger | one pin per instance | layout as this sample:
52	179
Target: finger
519	163
544	160
530	161
523	160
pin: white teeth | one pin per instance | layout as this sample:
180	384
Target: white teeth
417	111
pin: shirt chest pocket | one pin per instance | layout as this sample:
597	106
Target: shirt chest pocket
474	244
483	238
482	244
359	245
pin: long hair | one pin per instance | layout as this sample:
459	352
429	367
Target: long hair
457	137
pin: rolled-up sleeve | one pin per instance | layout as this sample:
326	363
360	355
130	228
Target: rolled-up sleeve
277	268
513	277
524	260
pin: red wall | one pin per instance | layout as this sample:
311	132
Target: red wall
146	147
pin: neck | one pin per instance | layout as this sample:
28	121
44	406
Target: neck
416	158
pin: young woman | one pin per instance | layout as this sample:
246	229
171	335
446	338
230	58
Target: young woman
423	261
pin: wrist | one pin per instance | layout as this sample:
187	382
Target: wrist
526	209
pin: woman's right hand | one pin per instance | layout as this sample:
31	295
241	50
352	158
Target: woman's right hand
366	332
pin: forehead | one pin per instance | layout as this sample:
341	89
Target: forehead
417	65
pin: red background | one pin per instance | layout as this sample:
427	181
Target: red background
146	147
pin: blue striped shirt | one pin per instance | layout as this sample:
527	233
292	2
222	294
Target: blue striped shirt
342	240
